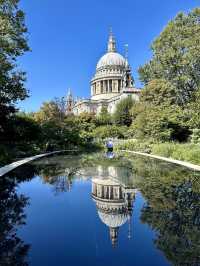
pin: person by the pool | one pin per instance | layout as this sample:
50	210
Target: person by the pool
109	145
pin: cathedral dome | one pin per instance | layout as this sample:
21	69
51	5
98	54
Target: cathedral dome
108	80
113	219
111	59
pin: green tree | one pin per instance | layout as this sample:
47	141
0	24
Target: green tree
13	43
109	131
104	118
59	131
160	124
169	102
176	56
22	138
193	110
158	92
53	110
59	136
122	115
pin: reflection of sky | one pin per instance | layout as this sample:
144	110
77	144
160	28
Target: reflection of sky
65	229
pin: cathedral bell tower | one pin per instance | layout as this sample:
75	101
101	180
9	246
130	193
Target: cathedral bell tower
128	80
69	103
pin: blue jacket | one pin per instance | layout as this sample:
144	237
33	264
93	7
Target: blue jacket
109	144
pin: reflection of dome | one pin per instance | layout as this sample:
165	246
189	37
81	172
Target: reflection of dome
114	204
113	219
111	59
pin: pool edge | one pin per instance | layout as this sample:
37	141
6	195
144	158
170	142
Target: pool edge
9	167
178	162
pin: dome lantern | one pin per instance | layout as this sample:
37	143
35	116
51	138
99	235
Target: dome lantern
111	58
111	43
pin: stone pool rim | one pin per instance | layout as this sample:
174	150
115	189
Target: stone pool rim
10	167
170	160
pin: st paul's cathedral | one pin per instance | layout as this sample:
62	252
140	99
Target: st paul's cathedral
112	82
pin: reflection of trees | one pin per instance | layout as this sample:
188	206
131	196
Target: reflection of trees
61	171
172	210
13	250
24	173
60	183
60	178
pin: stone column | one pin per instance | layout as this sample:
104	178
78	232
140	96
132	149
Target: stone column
104	86
92	92
113	85
106	192
95	88
109	89
98	191
94	190
111	192
118	192
101	87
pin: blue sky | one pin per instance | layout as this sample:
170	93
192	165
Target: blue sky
68	37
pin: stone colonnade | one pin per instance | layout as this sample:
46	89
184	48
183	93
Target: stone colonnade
107	191
106	86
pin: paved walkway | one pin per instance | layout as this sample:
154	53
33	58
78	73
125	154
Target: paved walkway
7	168
182	163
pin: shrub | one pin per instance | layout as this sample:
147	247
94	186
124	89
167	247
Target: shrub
179	151
185	152
164	149
104	118
109	131
195	137
160	124
135	145
122	115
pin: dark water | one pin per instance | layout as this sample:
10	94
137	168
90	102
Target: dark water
89	210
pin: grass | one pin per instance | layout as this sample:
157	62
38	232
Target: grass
184	152
180	151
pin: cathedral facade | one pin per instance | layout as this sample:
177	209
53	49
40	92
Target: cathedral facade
112	82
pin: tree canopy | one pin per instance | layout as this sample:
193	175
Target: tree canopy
52	110
122	115
104	118
13	43
176	56
168	107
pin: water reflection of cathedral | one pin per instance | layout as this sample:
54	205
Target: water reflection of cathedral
114	202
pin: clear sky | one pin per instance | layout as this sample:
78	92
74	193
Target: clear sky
67	37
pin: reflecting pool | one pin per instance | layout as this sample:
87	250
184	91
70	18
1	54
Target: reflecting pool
91	210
